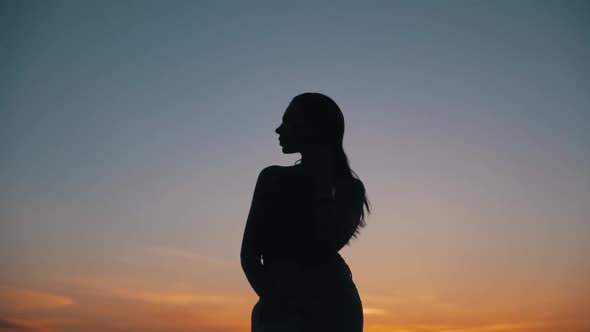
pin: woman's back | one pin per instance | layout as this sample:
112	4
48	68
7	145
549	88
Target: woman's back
314	277
288	230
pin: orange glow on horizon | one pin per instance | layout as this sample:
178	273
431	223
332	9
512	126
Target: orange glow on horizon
96	303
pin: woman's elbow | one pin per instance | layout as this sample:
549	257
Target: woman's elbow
247	257
244	257
245	263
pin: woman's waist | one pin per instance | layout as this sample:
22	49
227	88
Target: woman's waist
303	281
331	267
301	260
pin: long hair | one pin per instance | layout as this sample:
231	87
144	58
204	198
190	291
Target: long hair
322	113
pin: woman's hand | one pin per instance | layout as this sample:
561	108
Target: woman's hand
273	308
273	317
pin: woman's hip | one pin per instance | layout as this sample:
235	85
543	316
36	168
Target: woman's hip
332	309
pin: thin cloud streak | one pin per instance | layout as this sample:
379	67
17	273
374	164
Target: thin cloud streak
374	311
524	326
129	289
7	325
25	300
189	255
514	326
36	324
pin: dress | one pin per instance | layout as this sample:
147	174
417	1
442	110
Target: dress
326	299
317	282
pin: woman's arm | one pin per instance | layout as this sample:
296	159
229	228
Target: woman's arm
251	253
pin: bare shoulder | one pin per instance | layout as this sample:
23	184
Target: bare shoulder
273	171
274	177
269	175
278	170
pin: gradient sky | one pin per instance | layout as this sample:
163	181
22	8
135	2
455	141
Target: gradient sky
132	132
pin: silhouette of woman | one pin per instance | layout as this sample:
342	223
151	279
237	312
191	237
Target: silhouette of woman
299	219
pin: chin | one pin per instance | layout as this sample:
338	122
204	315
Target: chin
288	150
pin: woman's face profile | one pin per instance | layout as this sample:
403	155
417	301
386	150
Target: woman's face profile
293	133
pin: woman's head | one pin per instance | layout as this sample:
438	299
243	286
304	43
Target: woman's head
313	118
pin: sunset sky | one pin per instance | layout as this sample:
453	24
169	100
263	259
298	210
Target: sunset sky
132	133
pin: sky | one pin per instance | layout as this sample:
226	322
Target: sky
132	133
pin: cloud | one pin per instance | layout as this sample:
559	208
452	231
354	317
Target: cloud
178	298
115	304
374	311
137	290
513	326
189	255
520	326
380	299
6	325
34	324
24	300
